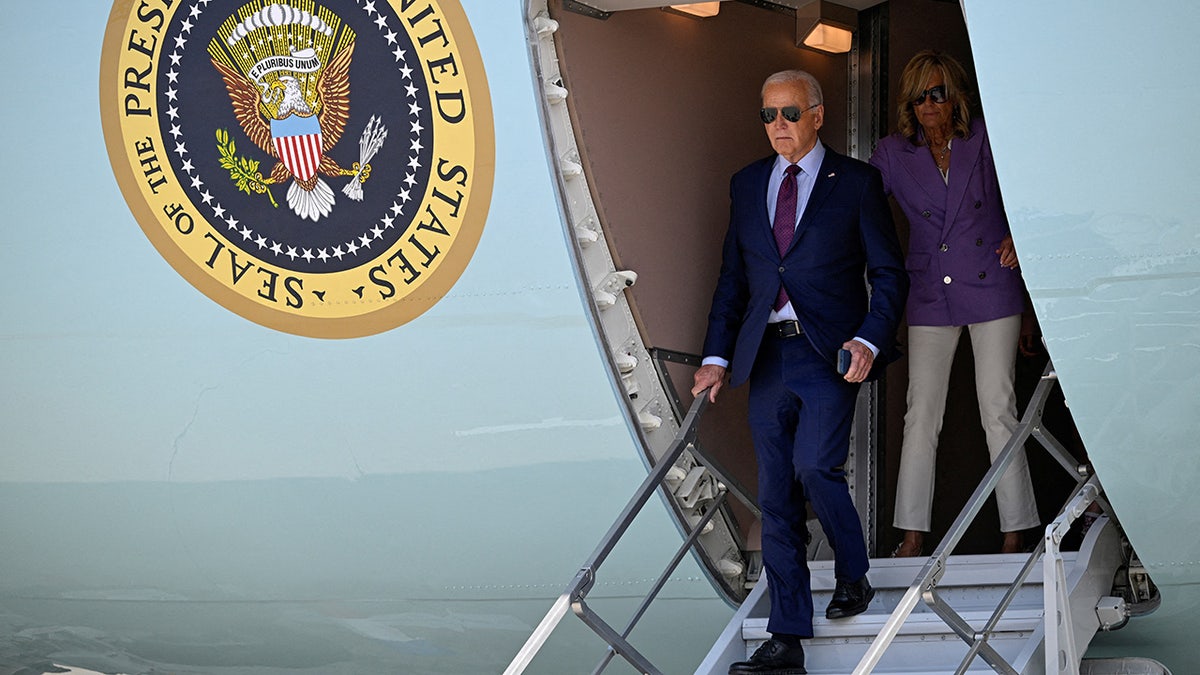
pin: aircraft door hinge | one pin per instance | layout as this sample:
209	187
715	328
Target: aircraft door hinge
544	25
605	294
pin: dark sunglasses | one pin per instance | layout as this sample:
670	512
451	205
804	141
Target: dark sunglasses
790	113
936	94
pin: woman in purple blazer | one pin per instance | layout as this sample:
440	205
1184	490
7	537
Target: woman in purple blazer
963	272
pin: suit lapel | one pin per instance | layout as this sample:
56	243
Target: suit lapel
922	172
825	179
964	155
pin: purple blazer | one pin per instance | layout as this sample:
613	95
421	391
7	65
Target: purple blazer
954	270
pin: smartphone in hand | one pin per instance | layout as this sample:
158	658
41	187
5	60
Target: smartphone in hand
843	361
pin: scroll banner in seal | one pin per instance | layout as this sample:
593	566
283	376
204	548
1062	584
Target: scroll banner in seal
320	167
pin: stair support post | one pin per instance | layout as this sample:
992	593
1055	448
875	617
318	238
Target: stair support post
1061	652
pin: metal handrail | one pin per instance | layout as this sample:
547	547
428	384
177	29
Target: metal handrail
713	510
924	587
661	358
574	596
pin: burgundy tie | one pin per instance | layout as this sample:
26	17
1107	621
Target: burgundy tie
785	222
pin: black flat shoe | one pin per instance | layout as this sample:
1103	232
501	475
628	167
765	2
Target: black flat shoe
772	658
850	599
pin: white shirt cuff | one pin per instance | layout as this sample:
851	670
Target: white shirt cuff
873	348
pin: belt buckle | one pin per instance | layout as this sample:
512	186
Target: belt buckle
790	328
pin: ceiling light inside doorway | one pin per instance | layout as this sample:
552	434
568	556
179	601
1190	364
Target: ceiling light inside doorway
826	26
701	9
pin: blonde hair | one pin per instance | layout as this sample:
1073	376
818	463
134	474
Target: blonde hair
918	71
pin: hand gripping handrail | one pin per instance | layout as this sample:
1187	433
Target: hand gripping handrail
925	586
574	596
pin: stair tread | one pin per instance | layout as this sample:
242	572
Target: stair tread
972	586
909	654
961	571
973	617
869	624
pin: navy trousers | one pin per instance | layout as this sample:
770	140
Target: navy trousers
801	411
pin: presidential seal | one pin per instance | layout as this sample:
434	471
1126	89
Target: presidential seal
321	167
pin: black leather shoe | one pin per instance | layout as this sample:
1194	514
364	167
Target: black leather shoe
850	599
772	658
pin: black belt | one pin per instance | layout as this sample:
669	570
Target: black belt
785	329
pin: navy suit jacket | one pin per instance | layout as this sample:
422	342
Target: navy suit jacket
846	231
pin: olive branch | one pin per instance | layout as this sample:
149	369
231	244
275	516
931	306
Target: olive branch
244	172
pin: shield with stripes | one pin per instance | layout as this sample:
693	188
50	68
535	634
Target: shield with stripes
298	142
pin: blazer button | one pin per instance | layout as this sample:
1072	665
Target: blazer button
946	279
782	269
983	275
926	213
979	242
978	205
945	248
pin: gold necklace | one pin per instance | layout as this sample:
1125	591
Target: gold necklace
939	157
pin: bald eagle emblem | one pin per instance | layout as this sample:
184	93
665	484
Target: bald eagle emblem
287	74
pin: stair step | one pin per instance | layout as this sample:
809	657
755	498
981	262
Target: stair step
868	624
925	645
911	656
909	653
976	571
971	585
962	600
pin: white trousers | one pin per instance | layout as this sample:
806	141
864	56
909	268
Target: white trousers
930	356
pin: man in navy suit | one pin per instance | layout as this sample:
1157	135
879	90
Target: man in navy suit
806	227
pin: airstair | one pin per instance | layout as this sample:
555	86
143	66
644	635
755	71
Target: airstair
1029	613
972	587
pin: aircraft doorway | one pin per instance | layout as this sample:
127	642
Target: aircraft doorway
664	111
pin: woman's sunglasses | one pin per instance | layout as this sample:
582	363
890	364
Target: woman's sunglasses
936	94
